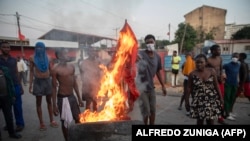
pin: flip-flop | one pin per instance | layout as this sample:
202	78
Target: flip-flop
42	127
54	124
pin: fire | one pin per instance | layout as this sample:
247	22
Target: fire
112	96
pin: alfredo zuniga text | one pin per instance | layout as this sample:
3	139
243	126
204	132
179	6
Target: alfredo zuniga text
193	131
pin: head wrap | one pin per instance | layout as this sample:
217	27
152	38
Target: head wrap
41	59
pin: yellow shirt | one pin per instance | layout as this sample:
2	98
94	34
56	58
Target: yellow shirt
176	59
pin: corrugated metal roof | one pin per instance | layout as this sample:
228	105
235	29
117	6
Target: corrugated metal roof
81	38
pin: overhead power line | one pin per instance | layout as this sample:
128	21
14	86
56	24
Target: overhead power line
7	14
42	21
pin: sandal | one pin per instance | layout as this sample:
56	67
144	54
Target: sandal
54	124
42	127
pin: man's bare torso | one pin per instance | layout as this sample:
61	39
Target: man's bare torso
90	74
65	75
216	63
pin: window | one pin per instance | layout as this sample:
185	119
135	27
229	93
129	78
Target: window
247	47
225	48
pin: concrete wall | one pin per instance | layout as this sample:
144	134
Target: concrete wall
230	46
207	19
168	74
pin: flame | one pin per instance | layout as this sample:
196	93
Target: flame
112	96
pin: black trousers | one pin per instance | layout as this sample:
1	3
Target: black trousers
183	97
6	106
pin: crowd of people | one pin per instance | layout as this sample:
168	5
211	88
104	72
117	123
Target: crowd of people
213	86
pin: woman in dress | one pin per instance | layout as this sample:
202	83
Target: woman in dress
206	97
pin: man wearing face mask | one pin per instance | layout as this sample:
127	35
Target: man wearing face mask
148	65
231	85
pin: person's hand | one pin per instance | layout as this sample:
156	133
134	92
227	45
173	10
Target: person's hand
138	58
164	91
30	89
222	101
13	99
223	76
55	110
22	91
241	88
81	103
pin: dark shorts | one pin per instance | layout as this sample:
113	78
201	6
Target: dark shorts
174	71
42	86
73	105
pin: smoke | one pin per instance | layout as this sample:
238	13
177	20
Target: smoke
96	17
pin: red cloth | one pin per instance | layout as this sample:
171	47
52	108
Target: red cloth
130	72
222	89
20	35
128	49
247	89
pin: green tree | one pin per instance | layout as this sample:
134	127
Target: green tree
189	40
243	33
203	35
209	36
161	43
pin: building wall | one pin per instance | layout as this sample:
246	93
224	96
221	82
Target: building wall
207	19
230	29
240	48
227	46
163	53
231	46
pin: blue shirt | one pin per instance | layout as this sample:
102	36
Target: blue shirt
11	64
232	70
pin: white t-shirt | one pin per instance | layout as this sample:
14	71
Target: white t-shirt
25	67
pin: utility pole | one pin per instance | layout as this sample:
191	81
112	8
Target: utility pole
185	28
169	32
19	31
18	18
116	29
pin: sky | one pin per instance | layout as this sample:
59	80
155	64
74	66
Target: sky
107	17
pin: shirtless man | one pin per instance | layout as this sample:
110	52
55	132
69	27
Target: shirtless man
40	83
63	76
215	61
90	76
